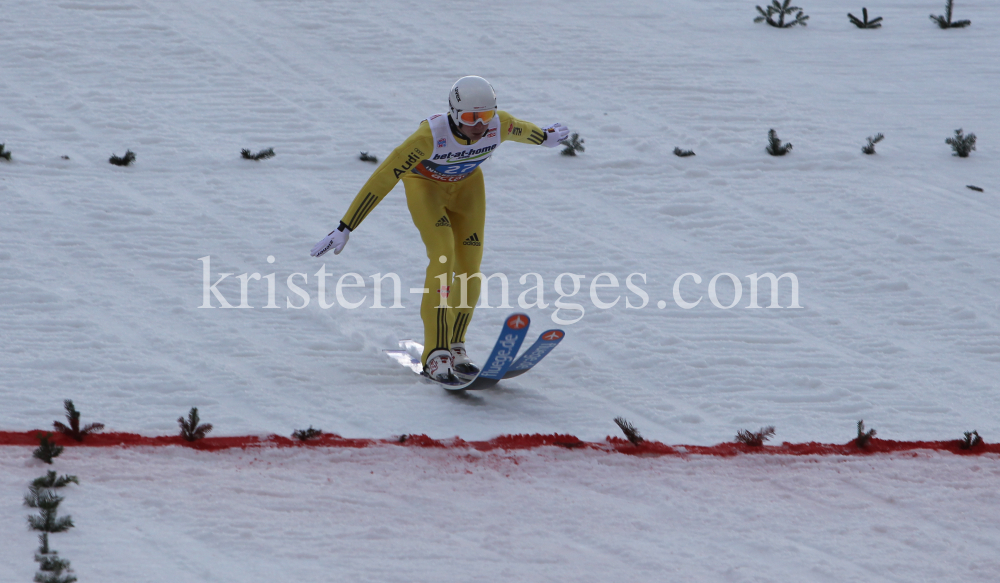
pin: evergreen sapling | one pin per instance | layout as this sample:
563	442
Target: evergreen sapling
683	153
572	145
971	440
946	22
631	433
365	157
5	154
47	450
864	437
755	438
961	144
261	155
125	160
190	429
781	10
306	434
865	23
41	496
774	145
870	147
73	430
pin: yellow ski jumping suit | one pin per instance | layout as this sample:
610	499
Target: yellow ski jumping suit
447	201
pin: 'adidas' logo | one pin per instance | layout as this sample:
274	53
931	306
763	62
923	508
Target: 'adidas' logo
443	222
473	240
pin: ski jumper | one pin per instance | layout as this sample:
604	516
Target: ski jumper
446	196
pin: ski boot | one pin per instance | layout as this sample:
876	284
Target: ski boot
440	367
462	364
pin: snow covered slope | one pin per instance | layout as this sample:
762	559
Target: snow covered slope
896	259
396	514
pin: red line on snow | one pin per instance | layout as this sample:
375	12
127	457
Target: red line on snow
503	442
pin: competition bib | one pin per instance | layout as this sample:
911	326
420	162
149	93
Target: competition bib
451	161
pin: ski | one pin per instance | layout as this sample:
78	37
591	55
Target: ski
511	337
515	329
544	345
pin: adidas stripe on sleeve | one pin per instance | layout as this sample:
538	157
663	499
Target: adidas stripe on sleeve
519	130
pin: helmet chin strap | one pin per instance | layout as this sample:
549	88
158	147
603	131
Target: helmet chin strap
457	129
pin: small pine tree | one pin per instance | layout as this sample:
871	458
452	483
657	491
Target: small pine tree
870	147
190	429
863	437
261	155
774	145
572	145
781	10
946	22
365	157
125	160
629	430
971	440
755	438
683	153
306	434
41	496
865	23
5	154
73	430
961	144
46	450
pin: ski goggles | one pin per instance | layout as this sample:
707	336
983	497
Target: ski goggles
471	118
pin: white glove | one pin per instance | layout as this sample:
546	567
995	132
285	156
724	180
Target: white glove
554	134
335	240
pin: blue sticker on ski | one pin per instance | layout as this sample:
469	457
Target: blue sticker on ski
514	331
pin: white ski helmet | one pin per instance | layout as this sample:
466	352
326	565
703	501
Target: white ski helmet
472	101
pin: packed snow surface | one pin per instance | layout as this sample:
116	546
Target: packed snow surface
398	514
897	264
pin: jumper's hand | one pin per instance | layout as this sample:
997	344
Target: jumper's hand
554	134
336	240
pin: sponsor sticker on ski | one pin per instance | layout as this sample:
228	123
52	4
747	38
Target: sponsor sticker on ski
544	345
515	329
